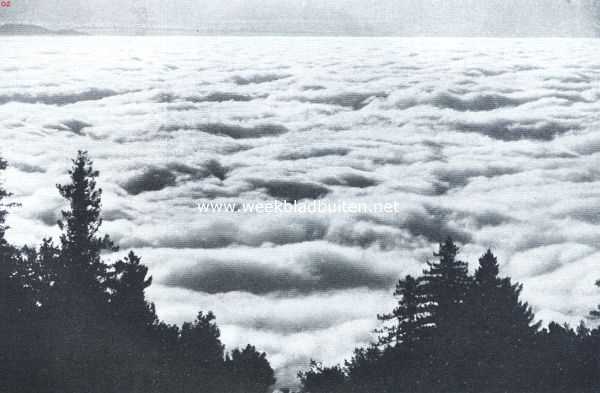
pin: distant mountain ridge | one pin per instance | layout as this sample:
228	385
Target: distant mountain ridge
26	29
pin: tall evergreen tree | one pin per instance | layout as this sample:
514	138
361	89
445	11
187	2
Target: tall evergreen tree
447	282
484	339
499	301
410	317
501	330
136	357
81	330
80	243
127	283
71	324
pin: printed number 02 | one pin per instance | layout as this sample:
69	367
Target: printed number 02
5	4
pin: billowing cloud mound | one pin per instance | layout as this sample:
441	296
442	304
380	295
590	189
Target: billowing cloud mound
233	131
59	98
289	190
492	142
152	179
324	271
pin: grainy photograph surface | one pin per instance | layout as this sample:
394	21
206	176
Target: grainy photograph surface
300	196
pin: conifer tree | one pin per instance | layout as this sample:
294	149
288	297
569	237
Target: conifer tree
500	299
201	354
410	316
366	371
80	243
501	329
71	324
447	282
128	282
81	275
82	319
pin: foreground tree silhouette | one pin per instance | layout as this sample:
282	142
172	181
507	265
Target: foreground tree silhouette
81	245
478	336
321	379
501	329
72	323
411	315
446	284
368	372
127	282
249	371
17	310
81	312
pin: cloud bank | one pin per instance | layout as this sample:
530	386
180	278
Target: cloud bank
494	142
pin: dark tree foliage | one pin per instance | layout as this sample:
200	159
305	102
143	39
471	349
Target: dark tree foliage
249	371
455	332
72	323
127	282
81	244
200	340
17	308
321	379
411	316
447	283
501	330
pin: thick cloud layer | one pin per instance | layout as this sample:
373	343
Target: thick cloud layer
493	142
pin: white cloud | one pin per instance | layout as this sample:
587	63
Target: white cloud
493	142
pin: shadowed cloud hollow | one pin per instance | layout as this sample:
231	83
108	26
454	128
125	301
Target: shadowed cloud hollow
313	272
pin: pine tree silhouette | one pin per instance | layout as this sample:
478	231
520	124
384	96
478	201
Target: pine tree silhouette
501	330
447	283
80	243
411	315
480	338
71	324
128	282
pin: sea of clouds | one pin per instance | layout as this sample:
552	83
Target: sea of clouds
493	142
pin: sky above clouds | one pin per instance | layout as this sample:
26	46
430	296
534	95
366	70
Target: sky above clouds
404	17
493	142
